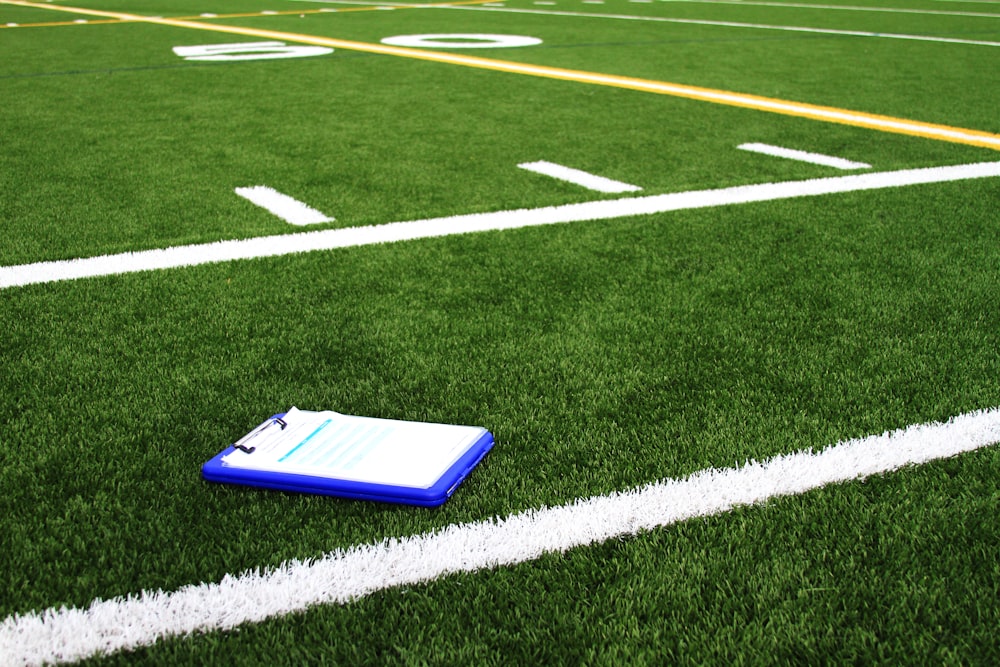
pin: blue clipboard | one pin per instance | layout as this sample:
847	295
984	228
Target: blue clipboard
217	470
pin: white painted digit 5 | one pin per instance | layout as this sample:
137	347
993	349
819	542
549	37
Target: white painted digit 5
249	51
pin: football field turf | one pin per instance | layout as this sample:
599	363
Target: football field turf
721	277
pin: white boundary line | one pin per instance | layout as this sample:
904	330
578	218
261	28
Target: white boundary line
328	239
106	626
578	177
731	24
803	156
791	5
849	8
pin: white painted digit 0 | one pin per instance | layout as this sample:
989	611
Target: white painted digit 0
461	41
248	51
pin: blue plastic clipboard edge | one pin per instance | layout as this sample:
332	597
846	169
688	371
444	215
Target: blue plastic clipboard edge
433	496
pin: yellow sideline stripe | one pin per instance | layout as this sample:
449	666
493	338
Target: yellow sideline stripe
784	107
51	24
242	15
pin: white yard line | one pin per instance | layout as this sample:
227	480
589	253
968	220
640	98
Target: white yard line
288	209
328	239
847	8
791	5
733	24
803	156
106	626
578	177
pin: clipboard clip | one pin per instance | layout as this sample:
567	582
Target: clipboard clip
241	444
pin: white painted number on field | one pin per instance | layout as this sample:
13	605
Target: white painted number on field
249	51
461	41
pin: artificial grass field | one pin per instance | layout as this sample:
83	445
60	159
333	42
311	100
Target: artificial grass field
602	355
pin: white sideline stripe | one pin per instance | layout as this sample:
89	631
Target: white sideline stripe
328	239
288	209
578	177
61	634
803	156
889	10
849	8
730	24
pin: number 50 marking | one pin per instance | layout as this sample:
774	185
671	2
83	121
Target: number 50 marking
248	51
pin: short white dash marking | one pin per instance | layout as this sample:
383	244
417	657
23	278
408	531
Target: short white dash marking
577	177
61	634
803	156
290	210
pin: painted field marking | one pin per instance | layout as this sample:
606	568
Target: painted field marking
288	209
849	8
784	107
578	177
790	5
369	7
52	24
339	577
737	24
803	156
230	52
349	237
462	41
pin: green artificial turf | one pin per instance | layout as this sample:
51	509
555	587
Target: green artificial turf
602	355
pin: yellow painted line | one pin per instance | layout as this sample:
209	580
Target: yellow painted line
788	108
290	12
245	15
324	10
242	15
50	24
